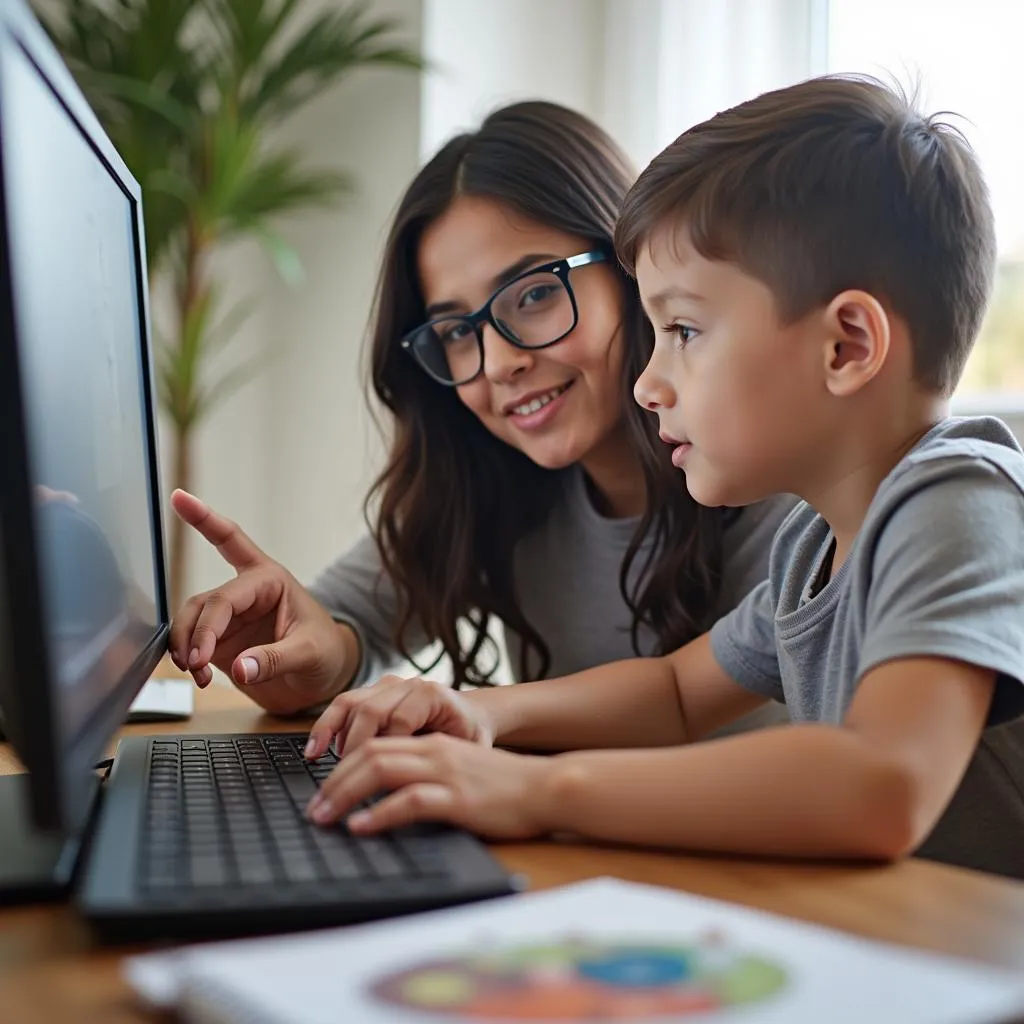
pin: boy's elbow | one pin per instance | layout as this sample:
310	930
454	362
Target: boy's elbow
889	825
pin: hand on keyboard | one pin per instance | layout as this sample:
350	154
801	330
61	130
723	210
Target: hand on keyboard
494	793
396	707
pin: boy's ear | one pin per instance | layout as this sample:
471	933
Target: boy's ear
859	336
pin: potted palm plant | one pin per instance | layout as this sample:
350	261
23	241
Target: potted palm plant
190	92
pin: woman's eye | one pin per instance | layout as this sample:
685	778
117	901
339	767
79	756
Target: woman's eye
538	293
455	334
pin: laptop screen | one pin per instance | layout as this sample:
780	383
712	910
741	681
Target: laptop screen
77	316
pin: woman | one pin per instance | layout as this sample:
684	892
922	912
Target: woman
523	484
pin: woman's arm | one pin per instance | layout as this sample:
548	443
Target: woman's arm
360	596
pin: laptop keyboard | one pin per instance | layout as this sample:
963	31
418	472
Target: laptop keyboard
229	812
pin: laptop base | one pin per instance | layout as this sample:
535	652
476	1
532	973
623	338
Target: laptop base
204	835
34	865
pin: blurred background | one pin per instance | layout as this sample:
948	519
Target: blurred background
264	378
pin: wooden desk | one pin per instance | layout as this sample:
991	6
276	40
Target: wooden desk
51	970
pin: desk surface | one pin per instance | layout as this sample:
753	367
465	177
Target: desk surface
51	970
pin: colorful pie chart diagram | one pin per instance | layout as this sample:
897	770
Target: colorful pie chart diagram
577	979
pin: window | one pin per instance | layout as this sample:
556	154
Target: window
965	57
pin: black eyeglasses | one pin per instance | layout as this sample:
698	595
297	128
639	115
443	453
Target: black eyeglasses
533	310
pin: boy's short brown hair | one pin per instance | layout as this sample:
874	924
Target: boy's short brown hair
831	184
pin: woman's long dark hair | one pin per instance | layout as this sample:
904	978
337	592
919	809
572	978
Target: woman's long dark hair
453	500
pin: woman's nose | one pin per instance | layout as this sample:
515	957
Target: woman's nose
502	359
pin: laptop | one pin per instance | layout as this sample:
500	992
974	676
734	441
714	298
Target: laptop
186	835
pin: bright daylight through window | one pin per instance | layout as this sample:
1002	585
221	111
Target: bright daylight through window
967	58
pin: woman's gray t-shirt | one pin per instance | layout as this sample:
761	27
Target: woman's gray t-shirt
567	581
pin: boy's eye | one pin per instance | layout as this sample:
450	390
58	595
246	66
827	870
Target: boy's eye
682	333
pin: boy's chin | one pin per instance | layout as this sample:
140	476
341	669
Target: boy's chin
719	493
700	491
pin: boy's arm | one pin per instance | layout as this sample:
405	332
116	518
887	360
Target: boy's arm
873	787
940	657
644	702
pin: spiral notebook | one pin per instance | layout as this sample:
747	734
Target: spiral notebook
602	950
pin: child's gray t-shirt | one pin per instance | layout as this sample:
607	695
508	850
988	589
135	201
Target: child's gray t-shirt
937	569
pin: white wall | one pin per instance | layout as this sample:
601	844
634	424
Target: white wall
490	52
644	69
326	451
292	455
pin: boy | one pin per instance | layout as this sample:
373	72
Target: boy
816	263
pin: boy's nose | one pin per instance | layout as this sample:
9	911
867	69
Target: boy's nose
650	392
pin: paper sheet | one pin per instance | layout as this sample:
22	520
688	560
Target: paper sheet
624	951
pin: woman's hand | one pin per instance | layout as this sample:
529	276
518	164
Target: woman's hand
262	628
397	707
439	778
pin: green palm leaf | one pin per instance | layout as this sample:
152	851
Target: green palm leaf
190	92
331	45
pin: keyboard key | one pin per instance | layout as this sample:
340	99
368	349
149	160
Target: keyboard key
207	871
244	822
425	856
338	858
381	857
162	865
280	815
301	788
288	846
239	825
252	872
300	869
161	881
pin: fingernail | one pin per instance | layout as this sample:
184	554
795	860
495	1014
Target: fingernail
322	812
310	747
359	819
313	804
251	668
193	658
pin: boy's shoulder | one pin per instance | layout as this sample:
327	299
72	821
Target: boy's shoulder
961	440
976	457
963	463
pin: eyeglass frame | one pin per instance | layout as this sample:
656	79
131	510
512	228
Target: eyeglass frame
560	268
